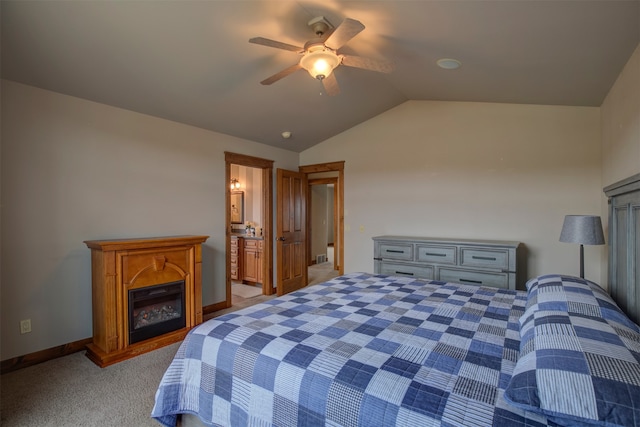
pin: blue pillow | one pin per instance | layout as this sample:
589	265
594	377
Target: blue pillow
579	355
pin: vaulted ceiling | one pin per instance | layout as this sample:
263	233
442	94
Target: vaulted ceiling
191	62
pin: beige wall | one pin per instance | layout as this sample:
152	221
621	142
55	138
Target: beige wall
251	185
621	125
471	170
319	219
620	114
74	170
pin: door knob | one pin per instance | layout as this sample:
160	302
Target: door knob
282	239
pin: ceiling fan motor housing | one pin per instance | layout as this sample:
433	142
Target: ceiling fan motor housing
320	25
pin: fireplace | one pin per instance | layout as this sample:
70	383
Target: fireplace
146	293
156	310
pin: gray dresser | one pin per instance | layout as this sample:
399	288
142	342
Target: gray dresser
476	262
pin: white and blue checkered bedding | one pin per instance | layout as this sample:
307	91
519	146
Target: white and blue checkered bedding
579	358
359	350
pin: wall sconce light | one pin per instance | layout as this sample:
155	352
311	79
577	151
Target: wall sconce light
583	229
235	184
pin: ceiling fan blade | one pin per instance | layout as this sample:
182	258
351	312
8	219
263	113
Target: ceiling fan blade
277	45
331	85
282	74
381	66
343	33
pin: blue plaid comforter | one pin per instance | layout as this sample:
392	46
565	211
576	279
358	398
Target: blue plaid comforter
359	350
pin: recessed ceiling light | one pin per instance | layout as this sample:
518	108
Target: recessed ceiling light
448	63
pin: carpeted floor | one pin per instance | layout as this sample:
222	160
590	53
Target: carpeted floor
72	391
319	273
245	291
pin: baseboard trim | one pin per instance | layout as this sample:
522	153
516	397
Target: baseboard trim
41	356
31	359
212	308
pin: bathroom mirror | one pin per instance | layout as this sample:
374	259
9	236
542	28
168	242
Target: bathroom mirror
237	207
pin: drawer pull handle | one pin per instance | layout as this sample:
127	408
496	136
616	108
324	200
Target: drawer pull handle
402	272
394	251
475	282
432	254
486	258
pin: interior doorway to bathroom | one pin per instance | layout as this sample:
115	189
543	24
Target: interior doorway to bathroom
249	212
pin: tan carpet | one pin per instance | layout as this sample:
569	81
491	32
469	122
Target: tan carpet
319	273
73	392
245	291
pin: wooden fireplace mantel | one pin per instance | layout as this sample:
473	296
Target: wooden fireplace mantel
118	266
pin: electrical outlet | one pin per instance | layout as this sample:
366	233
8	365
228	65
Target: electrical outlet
25	326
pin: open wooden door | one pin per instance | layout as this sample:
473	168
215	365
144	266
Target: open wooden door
291	220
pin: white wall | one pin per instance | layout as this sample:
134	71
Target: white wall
74	170
470	170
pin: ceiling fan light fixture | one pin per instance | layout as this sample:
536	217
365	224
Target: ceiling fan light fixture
320	62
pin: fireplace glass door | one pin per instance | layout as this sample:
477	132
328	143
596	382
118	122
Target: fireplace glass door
156	310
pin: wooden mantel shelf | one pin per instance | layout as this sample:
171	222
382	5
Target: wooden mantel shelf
144	242
121	265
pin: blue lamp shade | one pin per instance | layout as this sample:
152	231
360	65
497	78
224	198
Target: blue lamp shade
582	229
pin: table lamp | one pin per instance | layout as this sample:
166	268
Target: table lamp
583	229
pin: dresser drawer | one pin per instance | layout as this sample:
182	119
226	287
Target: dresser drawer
407	270
251	243
437	254
481	262
498	280
485	258
398	251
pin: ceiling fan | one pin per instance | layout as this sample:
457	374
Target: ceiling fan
320	55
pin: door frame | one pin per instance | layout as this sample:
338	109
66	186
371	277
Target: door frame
338	206
266	218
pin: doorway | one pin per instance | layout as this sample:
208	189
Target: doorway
328	175
335	170
293	242
259	249
323	230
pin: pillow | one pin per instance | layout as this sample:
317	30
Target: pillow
575	295
579	356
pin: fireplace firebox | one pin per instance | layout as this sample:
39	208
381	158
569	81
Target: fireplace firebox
156	310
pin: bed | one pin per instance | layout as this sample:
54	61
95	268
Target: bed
377	350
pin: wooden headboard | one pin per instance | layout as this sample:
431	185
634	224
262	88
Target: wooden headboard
624	244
